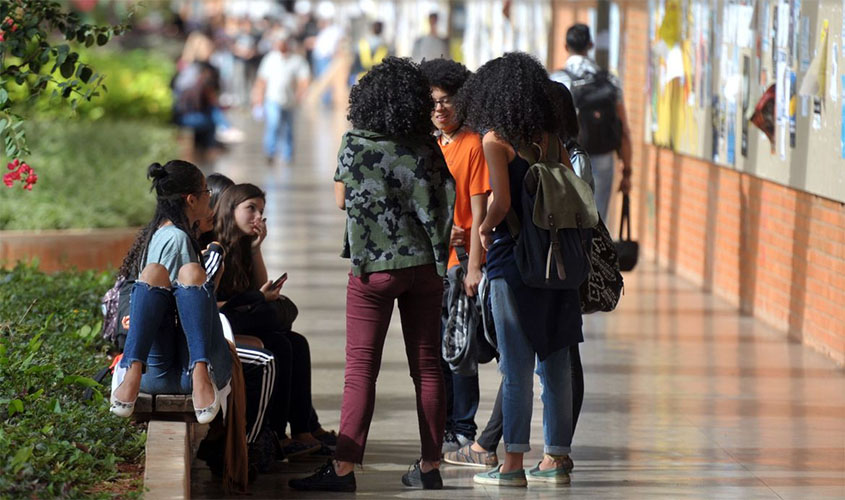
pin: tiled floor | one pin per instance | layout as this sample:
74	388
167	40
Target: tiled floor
684	397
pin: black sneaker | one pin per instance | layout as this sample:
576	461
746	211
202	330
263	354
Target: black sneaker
318	456
328	438
416	478
325	479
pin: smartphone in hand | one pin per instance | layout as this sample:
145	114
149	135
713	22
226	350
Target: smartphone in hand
279	282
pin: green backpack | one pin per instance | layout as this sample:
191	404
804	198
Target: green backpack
553	250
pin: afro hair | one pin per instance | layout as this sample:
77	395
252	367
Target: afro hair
445	74
393	99
508	95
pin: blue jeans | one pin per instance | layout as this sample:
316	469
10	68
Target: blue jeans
211	119
278	131
517	364
603	170
321	65
169	350
462	396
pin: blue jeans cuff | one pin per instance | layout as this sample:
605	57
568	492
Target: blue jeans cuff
127	362
517	448
557	450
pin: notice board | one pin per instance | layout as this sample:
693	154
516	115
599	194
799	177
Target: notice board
755	85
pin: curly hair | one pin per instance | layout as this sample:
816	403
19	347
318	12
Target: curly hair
564	106
445	74
171	182
393	99
508	95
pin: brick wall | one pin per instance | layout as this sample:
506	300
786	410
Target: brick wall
776	252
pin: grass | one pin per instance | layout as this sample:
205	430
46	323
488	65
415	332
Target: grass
57	442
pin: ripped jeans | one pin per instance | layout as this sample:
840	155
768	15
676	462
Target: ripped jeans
170	330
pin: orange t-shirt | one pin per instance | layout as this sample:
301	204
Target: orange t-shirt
465	160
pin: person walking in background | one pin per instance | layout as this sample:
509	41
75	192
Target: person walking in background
462	150
326	44
371	50
506	99
430	46
282	81
399	197
603	122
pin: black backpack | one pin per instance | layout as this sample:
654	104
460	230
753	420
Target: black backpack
595	97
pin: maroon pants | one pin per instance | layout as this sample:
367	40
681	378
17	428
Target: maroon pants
369	305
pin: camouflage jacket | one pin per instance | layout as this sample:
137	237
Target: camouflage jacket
400	199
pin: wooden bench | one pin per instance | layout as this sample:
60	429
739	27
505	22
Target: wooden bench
172	432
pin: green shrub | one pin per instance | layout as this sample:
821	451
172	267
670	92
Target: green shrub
137	81
90	175
57	444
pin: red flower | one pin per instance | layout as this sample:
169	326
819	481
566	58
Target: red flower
32	179
25	169
16	162
16	175
1	36
10	166
28	187
7	180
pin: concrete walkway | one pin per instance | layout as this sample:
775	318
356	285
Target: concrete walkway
684	397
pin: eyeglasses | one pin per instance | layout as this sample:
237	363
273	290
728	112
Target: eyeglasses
207	190
445	102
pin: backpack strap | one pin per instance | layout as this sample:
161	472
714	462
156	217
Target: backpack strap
463	257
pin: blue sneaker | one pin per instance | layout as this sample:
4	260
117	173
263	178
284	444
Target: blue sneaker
558	475
497	478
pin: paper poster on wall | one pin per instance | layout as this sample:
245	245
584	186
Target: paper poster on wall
804	44
782	91
764	115
814	80
842	122
784	13
746	100
793	32
793	109
832	91
731	145
743	15
764	14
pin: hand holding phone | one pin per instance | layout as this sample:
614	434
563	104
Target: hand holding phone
279	282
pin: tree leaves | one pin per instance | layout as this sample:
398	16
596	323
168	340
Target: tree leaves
33	49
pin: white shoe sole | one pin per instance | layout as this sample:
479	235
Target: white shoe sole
469	464
548	480
498	482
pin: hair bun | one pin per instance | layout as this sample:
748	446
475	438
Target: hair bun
156	171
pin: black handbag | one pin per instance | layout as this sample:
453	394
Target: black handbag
627	249
603	287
